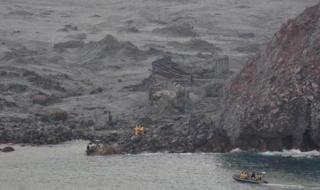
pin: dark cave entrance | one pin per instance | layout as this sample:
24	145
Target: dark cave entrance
287	142
308	143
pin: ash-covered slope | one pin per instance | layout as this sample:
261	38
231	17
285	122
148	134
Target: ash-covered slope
31	82
274	102
47	97
110	49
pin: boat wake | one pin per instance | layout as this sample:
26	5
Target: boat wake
295	153
236	150
287	186
292	153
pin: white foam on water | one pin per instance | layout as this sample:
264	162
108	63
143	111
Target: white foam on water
236	150
151	153
292	153
287	186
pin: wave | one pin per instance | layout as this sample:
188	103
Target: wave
296	153
152	153
287	186
236	150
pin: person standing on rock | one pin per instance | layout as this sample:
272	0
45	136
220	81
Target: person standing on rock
110	121
150	96
191	79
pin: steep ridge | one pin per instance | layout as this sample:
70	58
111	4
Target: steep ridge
109	48
274	102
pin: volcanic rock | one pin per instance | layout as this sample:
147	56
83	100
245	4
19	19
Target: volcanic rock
102	149
178	30
68	28
196	45
274	102
7	149
68	44
59	115
41	99
110	48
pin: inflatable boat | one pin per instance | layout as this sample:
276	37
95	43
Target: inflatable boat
248	180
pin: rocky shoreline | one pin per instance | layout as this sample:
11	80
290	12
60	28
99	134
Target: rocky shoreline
183	86
271	105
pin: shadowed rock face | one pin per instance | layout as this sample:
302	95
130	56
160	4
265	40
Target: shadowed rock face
7	149
274	102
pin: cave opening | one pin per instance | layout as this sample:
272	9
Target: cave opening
287	142
308	143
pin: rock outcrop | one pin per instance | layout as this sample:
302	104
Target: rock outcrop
274	102
197	45
177	30
101	149
68	44
195	135
7	149
109	48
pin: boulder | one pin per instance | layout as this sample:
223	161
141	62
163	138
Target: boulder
59	115
40	99
102	149
68	28
7	149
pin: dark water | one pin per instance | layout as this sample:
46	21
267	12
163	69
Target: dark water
66	167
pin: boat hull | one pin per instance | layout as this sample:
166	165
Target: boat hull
237	178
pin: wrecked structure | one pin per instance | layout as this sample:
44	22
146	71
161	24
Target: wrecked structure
182	86
177	72
221	66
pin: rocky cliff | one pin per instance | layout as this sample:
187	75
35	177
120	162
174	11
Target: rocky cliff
274	102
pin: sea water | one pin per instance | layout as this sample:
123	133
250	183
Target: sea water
66	167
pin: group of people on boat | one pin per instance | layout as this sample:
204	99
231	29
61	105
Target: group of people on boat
256	176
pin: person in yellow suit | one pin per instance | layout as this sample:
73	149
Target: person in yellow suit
138	130
243	175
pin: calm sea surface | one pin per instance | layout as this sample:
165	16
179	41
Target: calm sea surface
66	167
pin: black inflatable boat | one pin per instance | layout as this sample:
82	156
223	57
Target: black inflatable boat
247	180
